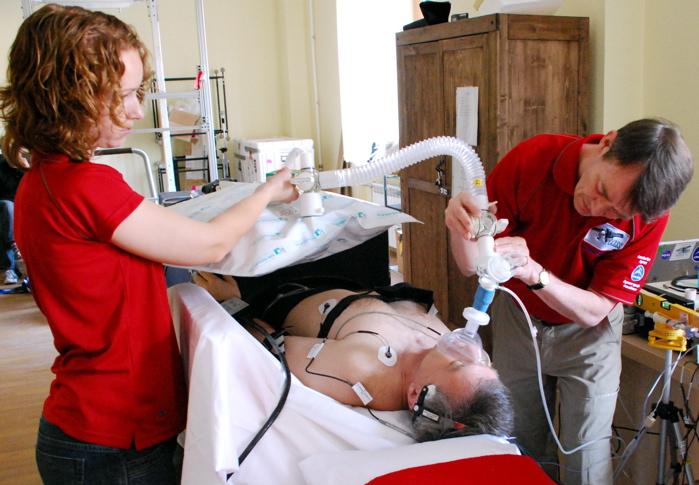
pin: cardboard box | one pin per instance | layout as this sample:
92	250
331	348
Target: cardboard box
399	250
256	158
179	117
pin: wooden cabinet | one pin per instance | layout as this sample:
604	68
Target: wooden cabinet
532	75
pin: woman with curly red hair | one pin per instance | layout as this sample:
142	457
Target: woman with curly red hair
94	249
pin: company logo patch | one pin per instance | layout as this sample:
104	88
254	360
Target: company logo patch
695	255
638	273
666	254
607	237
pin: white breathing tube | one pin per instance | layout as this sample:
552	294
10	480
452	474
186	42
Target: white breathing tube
410	155
309	182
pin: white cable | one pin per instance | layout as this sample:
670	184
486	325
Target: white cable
541	382
648	422
671	370
650	419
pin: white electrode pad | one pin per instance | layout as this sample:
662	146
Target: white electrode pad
387	356
326	306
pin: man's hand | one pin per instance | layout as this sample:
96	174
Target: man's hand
221	287
529	271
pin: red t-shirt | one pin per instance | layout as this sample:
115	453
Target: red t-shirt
119	376
533	186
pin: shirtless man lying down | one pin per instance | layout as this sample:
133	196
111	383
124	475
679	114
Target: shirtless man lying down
379	348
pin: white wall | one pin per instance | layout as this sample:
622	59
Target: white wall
671	70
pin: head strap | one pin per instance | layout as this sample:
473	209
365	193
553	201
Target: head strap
420	410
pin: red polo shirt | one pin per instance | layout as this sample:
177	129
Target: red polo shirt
533	186
119	377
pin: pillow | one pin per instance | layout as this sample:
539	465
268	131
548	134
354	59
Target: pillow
361	466
472	471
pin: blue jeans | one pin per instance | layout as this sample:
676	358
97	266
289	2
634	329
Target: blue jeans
63	460
7	256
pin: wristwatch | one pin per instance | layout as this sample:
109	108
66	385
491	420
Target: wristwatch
544	279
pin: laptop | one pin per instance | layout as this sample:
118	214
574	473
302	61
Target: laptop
673	259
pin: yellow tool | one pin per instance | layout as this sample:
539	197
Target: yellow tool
653	303
665	336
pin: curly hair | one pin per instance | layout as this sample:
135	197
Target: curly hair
488	411
657	145
64	70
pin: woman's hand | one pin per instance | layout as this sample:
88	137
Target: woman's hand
279	187
459	213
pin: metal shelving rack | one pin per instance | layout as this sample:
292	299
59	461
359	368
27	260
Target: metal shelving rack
161	95
219	127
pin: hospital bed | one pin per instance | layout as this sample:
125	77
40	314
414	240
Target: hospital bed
235	384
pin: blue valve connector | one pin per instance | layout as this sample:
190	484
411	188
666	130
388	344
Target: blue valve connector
483	299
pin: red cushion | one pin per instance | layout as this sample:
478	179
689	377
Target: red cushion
492	470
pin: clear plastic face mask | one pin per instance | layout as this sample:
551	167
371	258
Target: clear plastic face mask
464	348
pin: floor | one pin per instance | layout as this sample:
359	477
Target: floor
26	355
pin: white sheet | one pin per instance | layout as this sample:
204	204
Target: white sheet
234	384
282	238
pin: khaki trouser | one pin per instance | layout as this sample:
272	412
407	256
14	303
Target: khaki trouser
584	363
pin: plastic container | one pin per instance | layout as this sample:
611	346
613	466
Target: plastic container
531	7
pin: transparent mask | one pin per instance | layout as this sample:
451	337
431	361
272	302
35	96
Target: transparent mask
464	347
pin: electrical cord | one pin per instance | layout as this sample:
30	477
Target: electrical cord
690	421
631	448
282	398
677	282
650	419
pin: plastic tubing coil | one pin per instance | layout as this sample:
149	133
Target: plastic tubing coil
410	155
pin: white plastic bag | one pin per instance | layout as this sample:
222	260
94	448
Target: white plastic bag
531	7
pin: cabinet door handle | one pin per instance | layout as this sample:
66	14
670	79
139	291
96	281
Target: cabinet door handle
440	177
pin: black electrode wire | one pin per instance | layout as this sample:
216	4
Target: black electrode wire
385	423
324	375
396	316
685	398
691	436
282	398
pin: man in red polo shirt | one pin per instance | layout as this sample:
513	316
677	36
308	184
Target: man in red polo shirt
589	214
